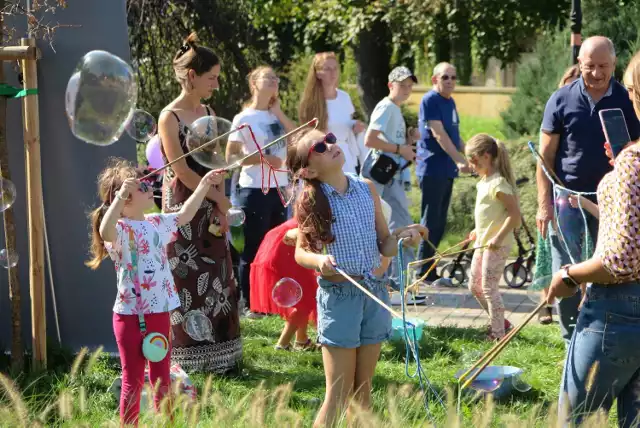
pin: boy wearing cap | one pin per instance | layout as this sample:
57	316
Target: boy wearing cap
390	149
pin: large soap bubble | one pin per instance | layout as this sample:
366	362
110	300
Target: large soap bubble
72	93
100	98
201	133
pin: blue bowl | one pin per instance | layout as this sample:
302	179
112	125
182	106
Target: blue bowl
398	329
505	379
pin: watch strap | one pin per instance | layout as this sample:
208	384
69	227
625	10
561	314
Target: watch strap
567	278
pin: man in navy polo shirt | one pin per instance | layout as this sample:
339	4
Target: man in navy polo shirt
439	157
571	143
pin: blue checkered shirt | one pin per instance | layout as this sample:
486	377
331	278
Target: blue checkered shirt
354	227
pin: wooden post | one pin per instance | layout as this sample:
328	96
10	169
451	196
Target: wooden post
31	128
17	350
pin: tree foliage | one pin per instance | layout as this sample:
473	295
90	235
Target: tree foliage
617	19
157	29
537	79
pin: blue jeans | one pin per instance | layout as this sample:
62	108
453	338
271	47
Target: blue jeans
394	194
571	224
263	213
436	197
603	361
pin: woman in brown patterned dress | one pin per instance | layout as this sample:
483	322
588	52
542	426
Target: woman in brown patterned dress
199	257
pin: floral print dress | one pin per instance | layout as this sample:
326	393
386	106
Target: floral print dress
200	262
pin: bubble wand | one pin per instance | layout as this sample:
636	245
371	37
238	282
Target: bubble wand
237	163
491	355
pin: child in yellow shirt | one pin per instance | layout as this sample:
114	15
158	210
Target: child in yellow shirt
497	214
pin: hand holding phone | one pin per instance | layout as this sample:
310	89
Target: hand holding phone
615	129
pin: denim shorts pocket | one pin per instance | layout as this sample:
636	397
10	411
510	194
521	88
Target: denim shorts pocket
618	343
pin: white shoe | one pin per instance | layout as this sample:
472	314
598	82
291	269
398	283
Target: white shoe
418	299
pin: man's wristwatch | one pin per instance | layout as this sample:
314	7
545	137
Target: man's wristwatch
568	279
397	148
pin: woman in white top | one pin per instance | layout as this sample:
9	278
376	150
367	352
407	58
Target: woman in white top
263	211
333	108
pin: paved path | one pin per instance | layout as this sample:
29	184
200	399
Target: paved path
457	307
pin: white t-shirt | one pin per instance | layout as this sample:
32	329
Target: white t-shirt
266	127
154	281
340	110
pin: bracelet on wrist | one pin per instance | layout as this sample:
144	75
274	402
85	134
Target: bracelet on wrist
397	148
119	196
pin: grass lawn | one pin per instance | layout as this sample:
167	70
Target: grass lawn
242	401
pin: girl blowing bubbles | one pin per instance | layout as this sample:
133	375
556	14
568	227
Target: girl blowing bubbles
122	230
341	224
496	215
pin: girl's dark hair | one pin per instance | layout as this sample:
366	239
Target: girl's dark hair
312	210
192	56
109	182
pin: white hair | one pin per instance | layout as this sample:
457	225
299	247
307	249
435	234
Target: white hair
594	41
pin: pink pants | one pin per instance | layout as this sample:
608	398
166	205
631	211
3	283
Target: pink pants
486	269
129	340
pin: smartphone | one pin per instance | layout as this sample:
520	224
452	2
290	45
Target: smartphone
615	129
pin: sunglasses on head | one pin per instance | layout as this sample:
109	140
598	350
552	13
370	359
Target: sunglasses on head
145	186
321	146
446	77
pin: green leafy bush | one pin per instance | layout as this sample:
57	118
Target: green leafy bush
537	79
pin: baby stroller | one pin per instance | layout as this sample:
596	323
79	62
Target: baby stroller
456	270
520	272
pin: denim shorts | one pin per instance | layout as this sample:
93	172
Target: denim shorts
348	318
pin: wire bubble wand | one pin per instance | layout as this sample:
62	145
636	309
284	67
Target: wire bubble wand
238	163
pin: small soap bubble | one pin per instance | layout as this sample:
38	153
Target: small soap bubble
7	259
142	126
7	194
286	293
236	217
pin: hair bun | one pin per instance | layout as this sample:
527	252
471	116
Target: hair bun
192	39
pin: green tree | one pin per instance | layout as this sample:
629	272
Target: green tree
537	80
618	20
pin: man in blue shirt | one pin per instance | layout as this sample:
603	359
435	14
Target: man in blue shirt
439	157
572	145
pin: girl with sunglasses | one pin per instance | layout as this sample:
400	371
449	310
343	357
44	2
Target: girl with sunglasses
137	245
341	224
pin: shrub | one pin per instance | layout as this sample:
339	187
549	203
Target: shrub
537	79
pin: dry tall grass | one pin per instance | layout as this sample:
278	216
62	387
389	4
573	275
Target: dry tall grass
261	408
